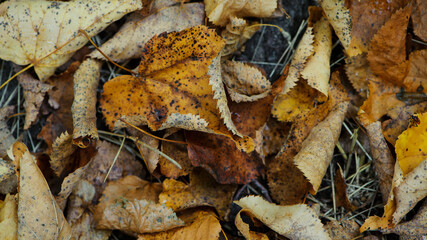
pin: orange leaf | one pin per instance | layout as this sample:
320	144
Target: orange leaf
419	20
8	218
179	86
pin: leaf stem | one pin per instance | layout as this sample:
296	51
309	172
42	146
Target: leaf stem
16	74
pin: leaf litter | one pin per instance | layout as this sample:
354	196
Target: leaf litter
221	130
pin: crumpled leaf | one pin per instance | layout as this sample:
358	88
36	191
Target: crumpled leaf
419	19
244	228
382	158
8	218
62	149
294	222
179	86
339	17
130	40
387	59
317	149
34	92
6	138
45	221
411	146
235	34
342	230
84	104
219	12
341	196
416	79
46	33
244	83
204	227
203	190
133	210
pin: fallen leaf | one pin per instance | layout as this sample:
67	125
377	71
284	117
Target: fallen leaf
244	83
219	12
387	59
419	19
177	152
205	227
235	34
416	79
53	35
6	138
341	196
130	40
274	135
82	229
203	190
150	157
316	151
84	104
46	221
8	218
382	158
339	17
342	230
175	90
294	222
34	93
359	73
411	146
61	156
6	170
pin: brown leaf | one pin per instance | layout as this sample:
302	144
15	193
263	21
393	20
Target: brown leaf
177	152
382	158
416	79
6	170
245	230
6	138
130	40
235	34
8	218
359	73
34	92
49	36
419	19
84	104
342	230
341	196
294	222
316	151
220	12
203	190
388	58
62	150
193	99
46	220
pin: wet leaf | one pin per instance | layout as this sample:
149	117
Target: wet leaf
203	190
53	35
8	218
179	86
294	222
220	12
341	196
130	40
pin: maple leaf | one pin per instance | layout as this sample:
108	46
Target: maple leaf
46	33
178	86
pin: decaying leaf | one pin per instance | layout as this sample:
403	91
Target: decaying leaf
316	151
84	104
235	34
245	83
382	158
294	222
46	33
341	196
8	218
203	190
220	11
179	86
34	92
45	221
6	138
131	209
419	19
205	226
342	230
416	79
130	40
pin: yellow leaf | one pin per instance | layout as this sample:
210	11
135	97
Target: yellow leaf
8	218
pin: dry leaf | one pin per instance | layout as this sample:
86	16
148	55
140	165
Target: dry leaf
177	152
274	134
245	230
219	12
34	92
6	138
341	196
419	19
388	58
8	218
294	222
342	230
359	73
316	151
62	149
411	146
179	86
416	79
244	83
133	209
205	227
150	157
382	158
203	190
130	40
45	221
339	17
235	34
53	35
6	170
84	104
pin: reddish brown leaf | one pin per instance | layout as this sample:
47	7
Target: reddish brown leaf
419	19
341	196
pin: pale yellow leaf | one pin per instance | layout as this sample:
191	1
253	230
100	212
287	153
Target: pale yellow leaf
8	218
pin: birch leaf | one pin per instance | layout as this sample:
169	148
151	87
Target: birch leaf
8	218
